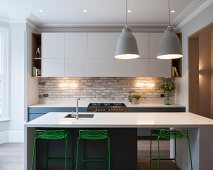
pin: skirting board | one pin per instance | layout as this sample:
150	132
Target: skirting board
4	137
12	137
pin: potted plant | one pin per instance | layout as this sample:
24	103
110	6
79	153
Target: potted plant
136	97
168	88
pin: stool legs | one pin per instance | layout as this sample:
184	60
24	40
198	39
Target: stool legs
77	154
47	151
158	154
108	140
190	151
34	152
65	156
77	148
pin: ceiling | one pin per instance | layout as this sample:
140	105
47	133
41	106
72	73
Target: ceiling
99	12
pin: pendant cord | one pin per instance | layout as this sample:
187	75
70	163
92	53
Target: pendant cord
126	13
169	12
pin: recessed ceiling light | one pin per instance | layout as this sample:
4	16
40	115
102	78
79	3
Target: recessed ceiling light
40	10
129	11
85	11
172	11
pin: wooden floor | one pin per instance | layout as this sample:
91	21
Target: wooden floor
11	156
144	155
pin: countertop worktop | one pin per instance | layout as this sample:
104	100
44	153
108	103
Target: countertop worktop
122	120
86	103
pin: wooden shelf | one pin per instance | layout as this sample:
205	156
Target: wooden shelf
177	63
36	58
36	62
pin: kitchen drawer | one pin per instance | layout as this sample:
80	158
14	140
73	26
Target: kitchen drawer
156	109
34	116
73	109
40	110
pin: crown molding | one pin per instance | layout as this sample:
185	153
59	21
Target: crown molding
191	7
4	19
32	25
191	15
34	21
17	21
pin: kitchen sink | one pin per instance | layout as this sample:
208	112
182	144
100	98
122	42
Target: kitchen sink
81	115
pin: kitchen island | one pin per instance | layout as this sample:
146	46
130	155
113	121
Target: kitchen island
127	123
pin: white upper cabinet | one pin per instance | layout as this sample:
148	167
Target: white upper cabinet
52	45
106	68
137	67
154	41
142	42
82	54
76	45
102	45
157	67
53	67
75	67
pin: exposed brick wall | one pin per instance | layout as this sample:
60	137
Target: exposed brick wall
118	88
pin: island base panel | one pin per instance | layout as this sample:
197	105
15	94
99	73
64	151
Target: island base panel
123	151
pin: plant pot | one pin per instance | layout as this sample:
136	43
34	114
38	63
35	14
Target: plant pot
136	101
168	99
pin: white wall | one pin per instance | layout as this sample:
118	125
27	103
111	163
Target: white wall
201	20
4	126
18	79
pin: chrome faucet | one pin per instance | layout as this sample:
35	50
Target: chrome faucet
77	116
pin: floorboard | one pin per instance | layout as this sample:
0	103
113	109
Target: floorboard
12	156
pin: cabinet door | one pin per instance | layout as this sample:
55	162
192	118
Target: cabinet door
75	67
52	67
159	68
154	41
106	68
142	42
137	67
75	45
53	45
102	45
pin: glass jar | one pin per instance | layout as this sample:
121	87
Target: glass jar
168	98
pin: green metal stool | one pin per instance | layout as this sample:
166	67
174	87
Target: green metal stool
50	135
168	134
93	135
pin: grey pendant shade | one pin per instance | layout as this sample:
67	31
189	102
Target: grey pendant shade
170	47
126	46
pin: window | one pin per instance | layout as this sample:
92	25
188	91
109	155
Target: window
4	74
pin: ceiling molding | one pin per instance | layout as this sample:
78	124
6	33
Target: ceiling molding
193	13
34	20
191	7
17	21
103	25
100	29
4	19
32	25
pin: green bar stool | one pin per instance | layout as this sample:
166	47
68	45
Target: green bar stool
50	135
93	135
168	134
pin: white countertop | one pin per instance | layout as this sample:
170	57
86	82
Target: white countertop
86	103
122	120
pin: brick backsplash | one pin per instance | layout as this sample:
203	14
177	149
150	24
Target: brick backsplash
99	88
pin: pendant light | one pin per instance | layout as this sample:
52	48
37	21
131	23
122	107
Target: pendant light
126	46
170	47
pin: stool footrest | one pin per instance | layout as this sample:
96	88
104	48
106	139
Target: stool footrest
163	159
95	160
56	158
